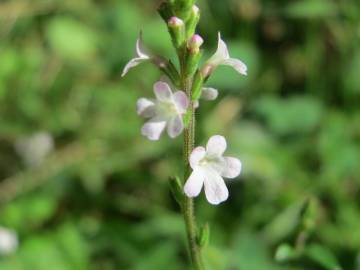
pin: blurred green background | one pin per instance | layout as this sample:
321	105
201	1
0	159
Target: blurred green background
84	190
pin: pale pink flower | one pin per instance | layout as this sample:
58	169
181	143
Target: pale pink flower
222	57
166	111
195	43
142	55
209	167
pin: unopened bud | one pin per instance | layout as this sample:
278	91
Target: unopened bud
192	21
193	54
195	9
177	31
175	22
195	43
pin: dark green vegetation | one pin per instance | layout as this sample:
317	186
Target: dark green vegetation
101	199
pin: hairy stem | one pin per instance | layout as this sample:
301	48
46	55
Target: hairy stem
188	205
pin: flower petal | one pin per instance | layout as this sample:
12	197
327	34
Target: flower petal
140	48
221	53
196	155
209	93
132	63
232	168
153	129
194	183
216	145
196	104
215	188
181	101
175	126
162	91
145	107
238	65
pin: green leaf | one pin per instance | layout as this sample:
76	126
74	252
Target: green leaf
251	253
160	256
204	235
323	256
284	223
177	189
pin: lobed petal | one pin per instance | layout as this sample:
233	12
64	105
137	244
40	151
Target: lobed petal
216	146
153	129
145	107
181	101
162	91
221	53
238	65
194	183
209	93
232	168
140	48
175	126
215	188
196	155
132	63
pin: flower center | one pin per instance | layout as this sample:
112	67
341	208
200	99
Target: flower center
214	162
167	108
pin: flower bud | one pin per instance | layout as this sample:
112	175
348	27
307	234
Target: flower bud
193	54
175	22
195	10
195	43
177	31
192	22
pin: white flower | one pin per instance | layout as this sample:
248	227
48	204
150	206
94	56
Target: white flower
209	167
8	241
207	93
141	56
166	111
222	57
35	148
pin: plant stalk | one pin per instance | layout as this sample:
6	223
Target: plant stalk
188	205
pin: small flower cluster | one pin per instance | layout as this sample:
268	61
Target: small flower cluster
171	104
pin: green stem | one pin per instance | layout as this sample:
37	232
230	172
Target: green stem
188	205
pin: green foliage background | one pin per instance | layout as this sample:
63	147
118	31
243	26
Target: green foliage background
101	200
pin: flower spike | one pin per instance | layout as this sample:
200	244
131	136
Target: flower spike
166	111
142	55
222	57
209	167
